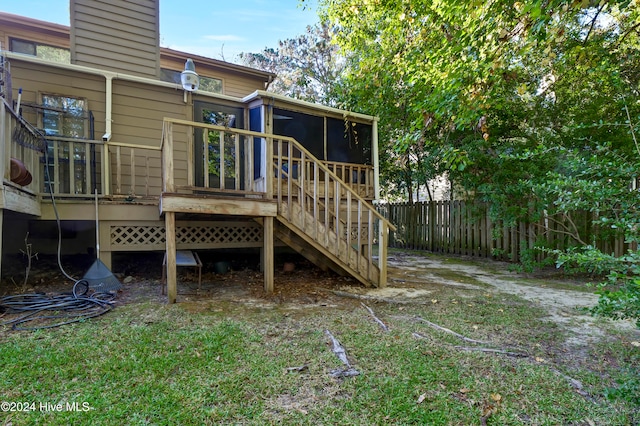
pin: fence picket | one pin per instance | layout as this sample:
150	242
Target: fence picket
457	227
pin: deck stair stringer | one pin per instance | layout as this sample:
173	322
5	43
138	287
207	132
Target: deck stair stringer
320	245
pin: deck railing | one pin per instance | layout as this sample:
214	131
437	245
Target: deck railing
71	167
225	162
74	167
77	167
23	147
358	176
133	168
310	194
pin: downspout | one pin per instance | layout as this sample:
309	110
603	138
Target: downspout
266	86
108	107
108	119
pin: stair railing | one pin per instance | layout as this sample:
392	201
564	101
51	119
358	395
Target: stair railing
331	212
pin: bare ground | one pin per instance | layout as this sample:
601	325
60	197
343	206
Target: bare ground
563	298
413	278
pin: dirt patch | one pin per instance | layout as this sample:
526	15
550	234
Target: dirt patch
563	299
413	278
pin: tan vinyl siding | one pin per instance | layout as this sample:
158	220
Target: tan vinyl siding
117	36
137	114
138	111
110	40
234	83
38	79
241	87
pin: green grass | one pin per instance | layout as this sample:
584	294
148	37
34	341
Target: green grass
148	363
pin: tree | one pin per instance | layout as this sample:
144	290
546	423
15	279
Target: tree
308	67
531	106
460	73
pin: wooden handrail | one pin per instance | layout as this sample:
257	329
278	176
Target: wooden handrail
291	140
334	176
133	146
298	173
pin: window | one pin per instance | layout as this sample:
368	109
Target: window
50	53
221	115
67	117
208	84
64	116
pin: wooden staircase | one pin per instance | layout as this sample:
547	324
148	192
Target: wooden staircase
317	213
326	253
323	218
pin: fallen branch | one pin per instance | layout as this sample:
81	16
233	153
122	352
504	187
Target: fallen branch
375	299
479	349
299	368
420	336
574	383
341	353
446	330
382	325
497	351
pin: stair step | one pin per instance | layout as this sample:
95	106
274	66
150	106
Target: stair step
334	252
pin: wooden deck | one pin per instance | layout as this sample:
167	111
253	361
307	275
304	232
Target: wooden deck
275	186
318	214
217	205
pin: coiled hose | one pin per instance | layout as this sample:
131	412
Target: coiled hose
49	311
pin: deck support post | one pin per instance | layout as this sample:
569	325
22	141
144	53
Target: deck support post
383	240
104	238
268	254
170	233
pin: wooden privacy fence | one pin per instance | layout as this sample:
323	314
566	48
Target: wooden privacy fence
458	227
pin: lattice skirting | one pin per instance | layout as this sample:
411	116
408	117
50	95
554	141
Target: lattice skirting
189	235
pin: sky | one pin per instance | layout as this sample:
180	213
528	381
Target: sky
218	29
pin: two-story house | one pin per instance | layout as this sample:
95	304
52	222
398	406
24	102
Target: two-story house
101	138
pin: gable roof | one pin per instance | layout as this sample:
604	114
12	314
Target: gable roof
59	36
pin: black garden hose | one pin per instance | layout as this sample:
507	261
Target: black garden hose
48	311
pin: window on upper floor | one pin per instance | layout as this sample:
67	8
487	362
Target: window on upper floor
64	116
208	84
44	51
68	163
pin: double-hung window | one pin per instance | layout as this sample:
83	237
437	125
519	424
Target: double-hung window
64	116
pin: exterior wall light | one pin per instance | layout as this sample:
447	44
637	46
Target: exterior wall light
189	78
